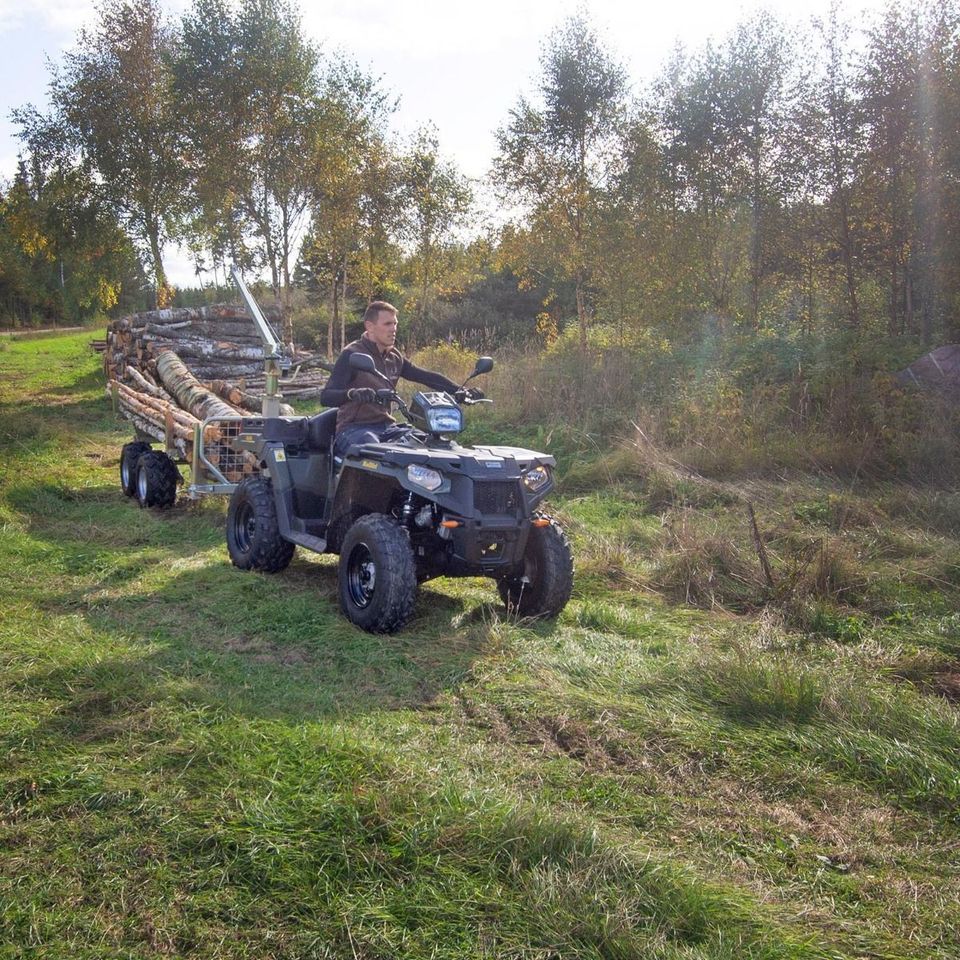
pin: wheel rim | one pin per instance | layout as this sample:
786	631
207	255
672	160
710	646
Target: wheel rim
142	483
244	527
125	473
361	576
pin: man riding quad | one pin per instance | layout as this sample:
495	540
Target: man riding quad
400	503
361	418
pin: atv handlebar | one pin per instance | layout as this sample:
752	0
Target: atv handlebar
387	395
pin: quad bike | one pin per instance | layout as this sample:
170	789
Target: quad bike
397	513
403	511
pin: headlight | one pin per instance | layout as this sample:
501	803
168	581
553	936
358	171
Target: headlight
444	419
536	479
424	477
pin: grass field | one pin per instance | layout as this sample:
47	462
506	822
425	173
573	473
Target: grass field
691	763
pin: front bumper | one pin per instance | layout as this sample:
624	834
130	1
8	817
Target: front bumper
487	546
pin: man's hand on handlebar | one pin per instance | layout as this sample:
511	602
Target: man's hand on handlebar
468	395
363	394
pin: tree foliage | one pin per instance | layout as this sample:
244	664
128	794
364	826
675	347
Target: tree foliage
795	184
64	254
558	156
113	97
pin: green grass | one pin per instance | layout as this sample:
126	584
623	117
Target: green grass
198	762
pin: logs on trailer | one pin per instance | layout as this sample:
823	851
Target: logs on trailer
172	369
236	395
189	392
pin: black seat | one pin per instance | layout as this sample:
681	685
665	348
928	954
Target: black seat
285	429
321	429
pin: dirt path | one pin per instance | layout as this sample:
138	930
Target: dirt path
33	330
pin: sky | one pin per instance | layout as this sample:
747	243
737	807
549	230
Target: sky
459	66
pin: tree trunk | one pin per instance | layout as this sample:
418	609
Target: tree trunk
369	290
285	263
189	392
214	349
908	299
847	248
756	246
335	316
343	313
164	293
581	315
893	324
234	395
425	265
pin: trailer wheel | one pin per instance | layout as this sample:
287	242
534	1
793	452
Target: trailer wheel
157	479
542	586
253	534
129	456
377	574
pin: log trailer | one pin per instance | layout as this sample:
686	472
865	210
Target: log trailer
206	443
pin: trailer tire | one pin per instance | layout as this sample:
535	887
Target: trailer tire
157	479
377	577
129	457
542	586
253	534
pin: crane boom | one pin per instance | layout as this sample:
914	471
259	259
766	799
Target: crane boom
274	358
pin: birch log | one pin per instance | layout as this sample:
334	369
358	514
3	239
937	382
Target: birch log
189	392
234	395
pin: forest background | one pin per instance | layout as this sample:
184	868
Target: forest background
752	243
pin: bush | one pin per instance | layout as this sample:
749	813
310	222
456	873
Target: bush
727	410
453	361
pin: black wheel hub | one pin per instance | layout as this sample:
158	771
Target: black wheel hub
244	527
361	576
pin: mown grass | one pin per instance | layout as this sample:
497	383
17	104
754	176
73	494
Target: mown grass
200	762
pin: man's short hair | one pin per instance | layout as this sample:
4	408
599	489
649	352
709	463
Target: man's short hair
377	307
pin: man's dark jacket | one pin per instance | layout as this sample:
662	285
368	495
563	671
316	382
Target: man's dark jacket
392	364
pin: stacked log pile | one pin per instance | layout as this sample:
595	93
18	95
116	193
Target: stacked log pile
217	342
171	369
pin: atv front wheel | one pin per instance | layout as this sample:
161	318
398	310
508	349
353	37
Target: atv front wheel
542	586
377	575
157	479
253	534
129	457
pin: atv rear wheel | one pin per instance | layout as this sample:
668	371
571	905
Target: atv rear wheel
542	587
157	478
253	534
377	574
129	457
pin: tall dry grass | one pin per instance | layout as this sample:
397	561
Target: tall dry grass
719	419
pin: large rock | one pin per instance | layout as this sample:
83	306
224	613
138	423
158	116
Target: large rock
938	371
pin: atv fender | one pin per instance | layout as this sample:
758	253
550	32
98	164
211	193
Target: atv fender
290	526
364	486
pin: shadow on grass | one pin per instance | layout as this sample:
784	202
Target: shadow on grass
94	528
161	584
55	422
254	646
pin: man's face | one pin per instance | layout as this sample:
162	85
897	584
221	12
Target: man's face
383	330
